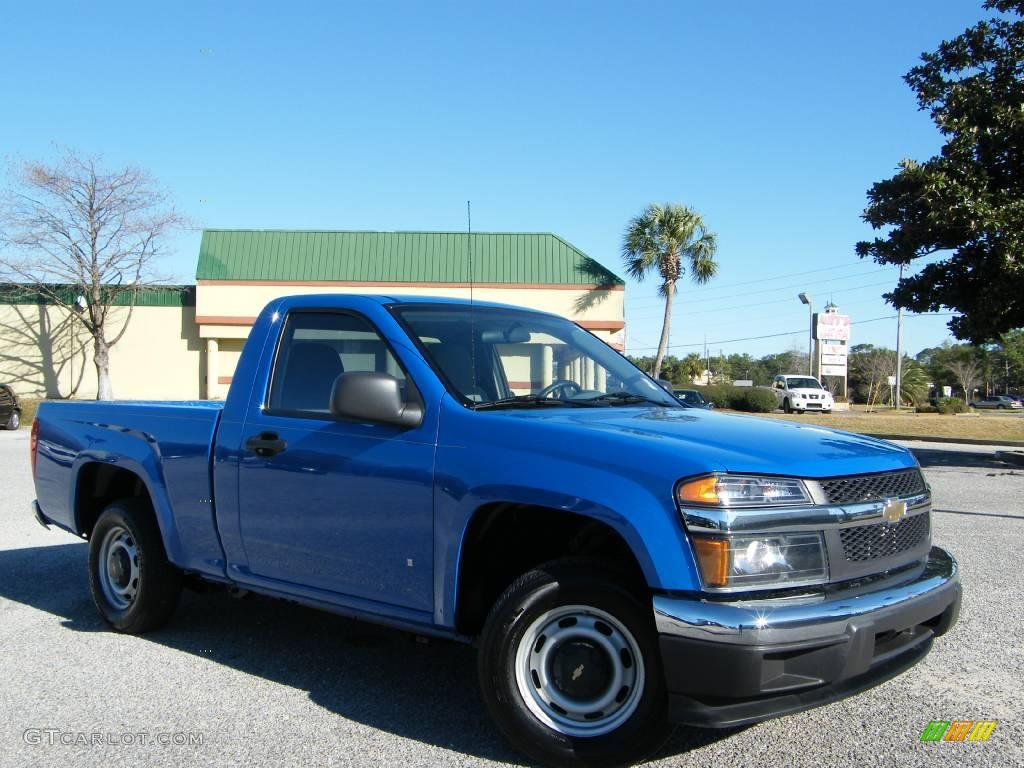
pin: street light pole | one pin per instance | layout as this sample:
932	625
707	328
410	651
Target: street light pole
899	350
805	298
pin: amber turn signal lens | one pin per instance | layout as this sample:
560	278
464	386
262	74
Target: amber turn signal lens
713	556
699	491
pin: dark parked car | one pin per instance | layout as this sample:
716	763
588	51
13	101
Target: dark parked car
10	410
692	398
998	402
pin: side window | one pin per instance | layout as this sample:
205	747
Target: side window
316	348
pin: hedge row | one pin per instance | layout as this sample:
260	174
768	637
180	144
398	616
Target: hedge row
749	399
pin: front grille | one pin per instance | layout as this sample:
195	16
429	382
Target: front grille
856	488
878	540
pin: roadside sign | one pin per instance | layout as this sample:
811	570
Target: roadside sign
833	360
831	326
833	370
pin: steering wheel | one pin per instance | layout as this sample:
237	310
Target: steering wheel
570	388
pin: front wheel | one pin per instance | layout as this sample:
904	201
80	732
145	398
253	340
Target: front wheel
786	406
570	669
14	421
134	587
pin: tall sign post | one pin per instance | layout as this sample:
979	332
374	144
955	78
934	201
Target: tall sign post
832	332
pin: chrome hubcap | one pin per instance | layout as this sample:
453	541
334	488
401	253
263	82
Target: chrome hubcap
118	568
579	671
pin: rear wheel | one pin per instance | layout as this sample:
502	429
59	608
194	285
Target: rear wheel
13	421
570	669
134	587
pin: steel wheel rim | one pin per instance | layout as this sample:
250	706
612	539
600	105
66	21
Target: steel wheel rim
599	637
15	420
118	568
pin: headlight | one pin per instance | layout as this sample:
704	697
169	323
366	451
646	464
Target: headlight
742	491
740	562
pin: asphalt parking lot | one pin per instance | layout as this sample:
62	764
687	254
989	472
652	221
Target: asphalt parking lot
263	683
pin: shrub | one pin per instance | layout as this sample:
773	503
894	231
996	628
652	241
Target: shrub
951	405
754	400
749	399
926	409
719	394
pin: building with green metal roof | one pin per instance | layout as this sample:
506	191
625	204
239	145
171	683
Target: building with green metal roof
184	341
239	271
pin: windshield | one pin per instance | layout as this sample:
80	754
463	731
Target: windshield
802	383
691	396
489	355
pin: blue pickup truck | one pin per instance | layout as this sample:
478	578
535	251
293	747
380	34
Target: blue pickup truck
500	476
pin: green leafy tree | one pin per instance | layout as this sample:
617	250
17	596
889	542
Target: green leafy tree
692	366
966	203
669	239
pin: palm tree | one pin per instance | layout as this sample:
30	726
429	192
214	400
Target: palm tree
669	239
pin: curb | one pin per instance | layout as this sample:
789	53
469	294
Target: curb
1011	457
961	440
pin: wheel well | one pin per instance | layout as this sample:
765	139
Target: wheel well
503	541
99	485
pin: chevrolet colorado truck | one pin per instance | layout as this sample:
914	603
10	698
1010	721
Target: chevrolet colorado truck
802	393
500	476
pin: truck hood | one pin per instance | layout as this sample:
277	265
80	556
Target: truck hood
705	441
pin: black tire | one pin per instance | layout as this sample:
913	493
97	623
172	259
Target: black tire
636	729
13	421
151	585
786	406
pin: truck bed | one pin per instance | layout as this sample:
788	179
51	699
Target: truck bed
166	443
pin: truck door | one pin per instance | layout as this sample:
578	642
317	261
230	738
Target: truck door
330	504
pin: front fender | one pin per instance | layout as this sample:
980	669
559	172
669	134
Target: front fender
647	521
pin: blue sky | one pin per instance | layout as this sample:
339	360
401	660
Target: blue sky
771	119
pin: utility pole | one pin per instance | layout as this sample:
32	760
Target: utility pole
805	298
899	351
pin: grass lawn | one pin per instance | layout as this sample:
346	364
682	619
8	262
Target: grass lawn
970	426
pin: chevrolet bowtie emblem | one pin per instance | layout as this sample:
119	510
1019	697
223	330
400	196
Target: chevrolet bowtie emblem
894	510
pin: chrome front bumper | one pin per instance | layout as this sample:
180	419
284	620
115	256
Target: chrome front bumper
740	661
758	622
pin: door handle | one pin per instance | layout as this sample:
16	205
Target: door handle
266	444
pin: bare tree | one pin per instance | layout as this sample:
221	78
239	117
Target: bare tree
73	229
967	370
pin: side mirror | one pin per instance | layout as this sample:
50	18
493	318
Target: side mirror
376	397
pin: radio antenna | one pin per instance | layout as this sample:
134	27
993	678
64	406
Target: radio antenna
469	233
472	313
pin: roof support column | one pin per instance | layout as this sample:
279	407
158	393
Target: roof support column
212	369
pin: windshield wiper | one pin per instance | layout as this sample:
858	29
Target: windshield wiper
626	398
526	401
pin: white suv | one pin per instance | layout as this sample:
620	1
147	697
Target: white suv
802	393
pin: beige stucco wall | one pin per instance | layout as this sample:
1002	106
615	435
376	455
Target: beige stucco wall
218	300
225	311
46	353
166	352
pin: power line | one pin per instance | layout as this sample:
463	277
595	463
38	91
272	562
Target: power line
731	286
830	280
801	332
750	306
